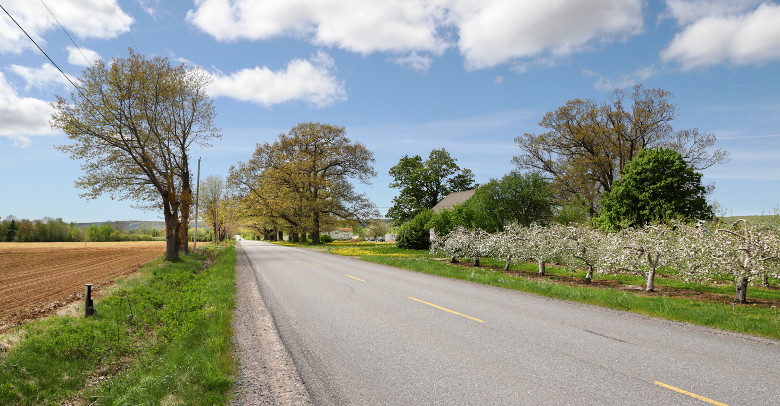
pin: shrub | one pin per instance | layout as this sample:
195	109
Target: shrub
414	234
325	238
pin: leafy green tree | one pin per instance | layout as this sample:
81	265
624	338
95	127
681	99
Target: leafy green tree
132	122
422	184
515	198
415	233
303	178
10	233
658	185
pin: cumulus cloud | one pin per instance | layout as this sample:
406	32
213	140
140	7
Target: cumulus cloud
356	25
105	21
689	11
312	81
22	117
82	56
487	32
748	38
40	78
499	31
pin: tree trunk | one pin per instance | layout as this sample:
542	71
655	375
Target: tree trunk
453	260
476	261
171	233
650	280
280	235
293	237
303	237
742	285
765	279
589	275
315	232
542	268
508	263
184	222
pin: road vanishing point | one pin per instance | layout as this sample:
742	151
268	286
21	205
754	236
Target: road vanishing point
366	334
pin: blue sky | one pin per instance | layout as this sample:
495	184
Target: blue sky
403	77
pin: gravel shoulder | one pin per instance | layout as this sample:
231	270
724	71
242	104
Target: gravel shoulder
266	373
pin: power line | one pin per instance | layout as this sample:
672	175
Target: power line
119	14
41	49
78	89
68	34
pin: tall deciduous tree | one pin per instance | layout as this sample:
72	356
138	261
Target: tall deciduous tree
588	144
657	186
213	202
422	184
303	178
133	123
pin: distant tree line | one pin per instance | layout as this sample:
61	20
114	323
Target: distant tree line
55	230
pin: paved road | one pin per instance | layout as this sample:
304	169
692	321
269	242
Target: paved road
367	334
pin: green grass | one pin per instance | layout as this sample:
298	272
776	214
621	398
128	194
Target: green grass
163	338
759	321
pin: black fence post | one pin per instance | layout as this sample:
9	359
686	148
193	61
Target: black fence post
89	309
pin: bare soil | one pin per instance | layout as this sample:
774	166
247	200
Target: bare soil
37	279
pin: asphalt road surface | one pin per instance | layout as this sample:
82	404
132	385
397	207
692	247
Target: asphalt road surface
367	334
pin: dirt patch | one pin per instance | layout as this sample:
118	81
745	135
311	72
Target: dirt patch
640	290
39	279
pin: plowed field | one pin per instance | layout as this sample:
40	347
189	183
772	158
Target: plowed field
38	278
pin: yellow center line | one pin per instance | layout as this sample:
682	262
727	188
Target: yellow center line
357	279
315	264
693	395
446	310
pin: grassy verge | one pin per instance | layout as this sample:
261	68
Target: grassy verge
160	339
759	321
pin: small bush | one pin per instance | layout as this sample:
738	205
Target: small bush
325	238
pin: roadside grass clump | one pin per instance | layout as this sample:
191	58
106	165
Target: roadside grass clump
755	320
163	338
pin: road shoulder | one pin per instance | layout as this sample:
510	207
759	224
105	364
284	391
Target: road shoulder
266	373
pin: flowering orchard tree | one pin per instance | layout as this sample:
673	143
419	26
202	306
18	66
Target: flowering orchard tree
742	251
588	246
462	242
511	243
546	243
640	251
747	252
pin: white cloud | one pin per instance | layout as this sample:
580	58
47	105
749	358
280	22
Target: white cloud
623	81
749	38
22	117
40	78
487	32
357	25
104	20
415	61
499	31
82	56
312	81
689	11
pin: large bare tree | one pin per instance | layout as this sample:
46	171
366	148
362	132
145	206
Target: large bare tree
132	123
588	144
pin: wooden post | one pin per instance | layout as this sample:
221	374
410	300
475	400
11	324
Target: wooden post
89	308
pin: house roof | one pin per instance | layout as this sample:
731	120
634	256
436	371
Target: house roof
452	199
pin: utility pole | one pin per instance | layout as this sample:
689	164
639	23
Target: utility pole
197	198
